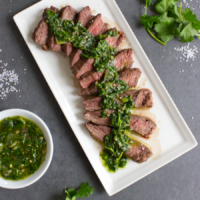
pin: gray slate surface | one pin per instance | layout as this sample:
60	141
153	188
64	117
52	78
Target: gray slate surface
178	180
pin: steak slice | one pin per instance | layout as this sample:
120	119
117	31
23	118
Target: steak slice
40	33
75	56
129	75
142	98
89	77
138	152
52	44
117	40
144	126
67	13
123	59
84	16
82	66
54	9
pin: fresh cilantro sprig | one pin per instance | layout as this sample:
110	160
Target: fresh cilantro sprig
83	191
172	21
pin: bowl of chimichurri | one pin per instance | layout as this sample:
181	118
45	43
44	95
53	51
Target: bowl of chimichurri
26	148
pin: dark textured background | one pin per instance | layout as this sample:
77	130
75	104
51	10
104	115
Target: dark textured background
179	180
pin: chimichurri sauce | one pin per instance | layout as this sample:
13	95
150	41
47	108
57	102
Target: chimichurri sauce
22	148
117	143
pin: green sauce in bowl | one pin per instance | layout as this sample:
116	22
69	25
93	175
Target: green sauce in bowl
22	148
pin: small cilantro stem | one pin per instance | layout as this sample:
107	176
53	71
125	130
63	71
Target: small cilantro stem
153	36
145	9
180	12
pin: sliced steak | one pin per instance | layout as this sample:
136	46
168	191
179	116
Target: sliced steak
123	59
129	75
90	91
54	9
82	66
138	152
104	28
95	25
98	132
89	77
84	16
67	13
92	104
142	125
40	33
75	56
142	98
52	44
117	40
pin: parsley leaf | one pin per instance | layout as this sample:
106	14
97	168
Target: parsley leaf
165	5
166	29
83	191
148	21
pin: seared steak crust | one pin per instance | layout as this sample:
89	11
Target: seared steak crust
68	13
138	152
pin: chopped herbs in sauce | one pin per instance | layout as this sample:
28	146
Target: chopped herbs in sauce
117	143
22	148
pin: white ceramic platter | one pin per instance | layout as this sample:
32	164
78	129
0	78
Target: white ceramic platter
174	138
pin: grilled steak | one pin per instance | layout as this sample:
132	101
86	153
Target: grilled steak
82	66
129	75
138	152
52	44
54	9
141	125
40	33
122	60
142	98
67	13
84	16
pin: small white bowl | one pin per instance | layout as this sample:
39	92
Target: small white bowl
43	168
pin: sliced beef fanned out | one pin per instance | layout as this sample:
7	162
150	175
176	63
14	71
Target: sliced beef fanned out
95	26
144	126
138	152
83	65
67	13
123	59
142	98
54	9
40	33
129	75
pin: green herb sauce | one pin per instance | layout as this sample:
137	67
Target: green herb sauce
117	143
22	148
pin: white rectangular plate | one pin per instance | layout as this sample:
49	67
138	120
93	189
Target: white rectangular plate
174	138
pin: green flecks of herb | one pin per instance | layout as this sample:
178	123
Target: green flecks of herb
84	191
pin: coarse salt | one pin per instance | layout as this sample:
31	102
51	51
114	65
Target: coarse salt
189	53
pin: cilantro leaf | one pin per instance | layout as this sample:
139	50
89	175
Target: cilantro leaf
166	29
165	5
148	21
149	2
83	191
